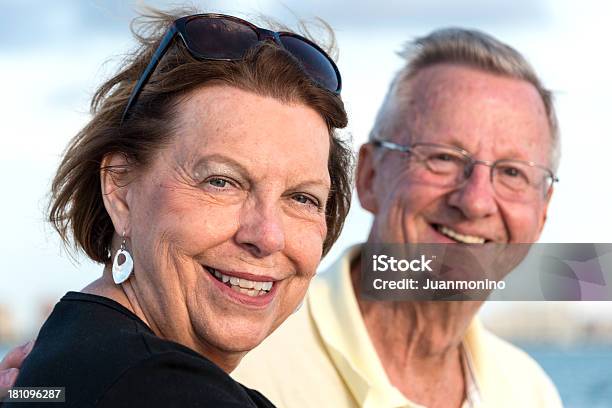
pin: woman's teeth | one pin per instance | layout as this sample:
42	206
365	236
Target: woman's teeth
248	287
466	239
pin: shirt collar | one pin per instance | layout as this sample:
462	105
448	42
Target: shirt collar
334	309
472	392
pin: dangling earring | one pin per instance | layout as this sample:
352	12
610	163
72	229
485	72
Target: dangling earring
121	272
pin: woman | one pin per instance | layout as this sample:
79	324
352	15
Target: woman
210	183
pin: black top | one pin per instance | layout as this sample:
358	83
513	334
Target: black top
106	356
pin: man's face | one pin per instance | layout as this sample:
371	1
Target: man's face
492	117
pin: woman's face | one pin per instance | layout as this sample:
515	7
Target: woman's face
227	224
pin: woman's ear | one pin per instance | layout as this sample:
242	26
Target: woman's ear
365	180
114	180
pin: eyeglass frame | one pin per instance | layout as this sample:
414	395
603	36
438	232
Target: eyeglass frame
471	160
178	28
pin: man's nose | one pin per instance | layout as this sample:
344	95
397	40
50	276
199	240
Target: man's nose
261	229
475	197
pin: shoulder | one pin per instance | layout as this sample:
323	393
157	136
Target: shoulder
290	364
294	343
86	331
514	374
100	351
512	359
178	379
82	336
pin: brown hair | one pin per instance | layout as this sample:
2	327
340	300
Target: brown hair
76	209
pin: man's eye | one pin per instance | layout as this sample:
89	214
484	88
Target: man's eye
514	176
511	171
443	157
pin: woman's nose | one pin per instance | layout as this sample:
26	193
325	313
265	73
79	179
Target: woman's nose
261	230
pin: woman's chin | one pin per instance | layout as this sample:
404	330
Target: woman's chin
243	343
236	335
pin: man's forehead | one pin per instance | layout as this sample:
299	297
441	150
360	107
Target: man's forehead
468	107
445	80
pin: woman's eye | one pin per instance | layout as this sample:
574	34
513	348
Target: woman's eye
218	182
304	199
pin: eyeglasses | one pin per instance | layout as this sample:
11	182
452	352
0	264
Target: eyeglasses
218	37
449	166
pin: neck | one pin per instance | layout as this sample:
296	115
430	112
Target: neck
125	295
418	343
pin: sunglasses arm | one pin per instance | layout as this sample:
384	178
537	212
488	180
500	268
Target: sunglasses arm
144	78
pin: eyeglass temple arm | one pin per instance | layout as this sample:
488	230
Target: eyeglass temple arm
391	146
144	78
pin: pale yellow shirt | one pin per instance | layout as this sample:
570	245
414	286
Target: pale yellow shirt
322	356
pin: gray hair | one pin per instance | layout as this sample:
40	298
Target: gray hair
468	47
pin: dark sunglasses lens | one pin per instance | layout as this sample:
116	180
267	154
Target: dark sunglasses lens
219	38
316	64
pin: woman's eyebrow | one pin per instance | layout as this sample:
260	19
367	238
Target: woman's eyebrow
313	183
221	159
236	166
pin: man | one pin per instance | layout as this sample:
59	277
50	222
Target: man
460	90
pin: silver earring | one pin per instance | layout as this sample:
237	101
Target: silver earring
121	272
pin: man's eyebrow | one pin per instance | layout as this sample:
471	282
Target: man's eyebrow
510	153
514	154
458	143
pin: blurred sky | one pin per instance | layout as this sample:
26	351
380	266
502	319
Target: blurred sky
53	55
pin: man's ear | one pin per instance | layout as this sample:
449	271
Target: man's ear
544	213
366	175
114	180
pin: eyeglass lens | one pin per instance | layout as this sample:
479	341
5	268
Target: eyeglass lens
314	62
511	178
225	39
219	38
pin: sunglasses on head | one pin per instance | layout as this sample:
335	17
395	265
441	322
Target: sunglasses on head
218	37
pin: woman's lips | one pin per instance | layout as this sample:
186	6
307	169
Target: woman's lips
247	289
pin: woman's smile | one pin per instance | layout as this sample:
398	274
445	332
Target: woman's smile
254	291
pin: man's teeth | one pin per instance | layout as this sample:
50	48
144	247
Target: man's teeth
466	239
248	287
